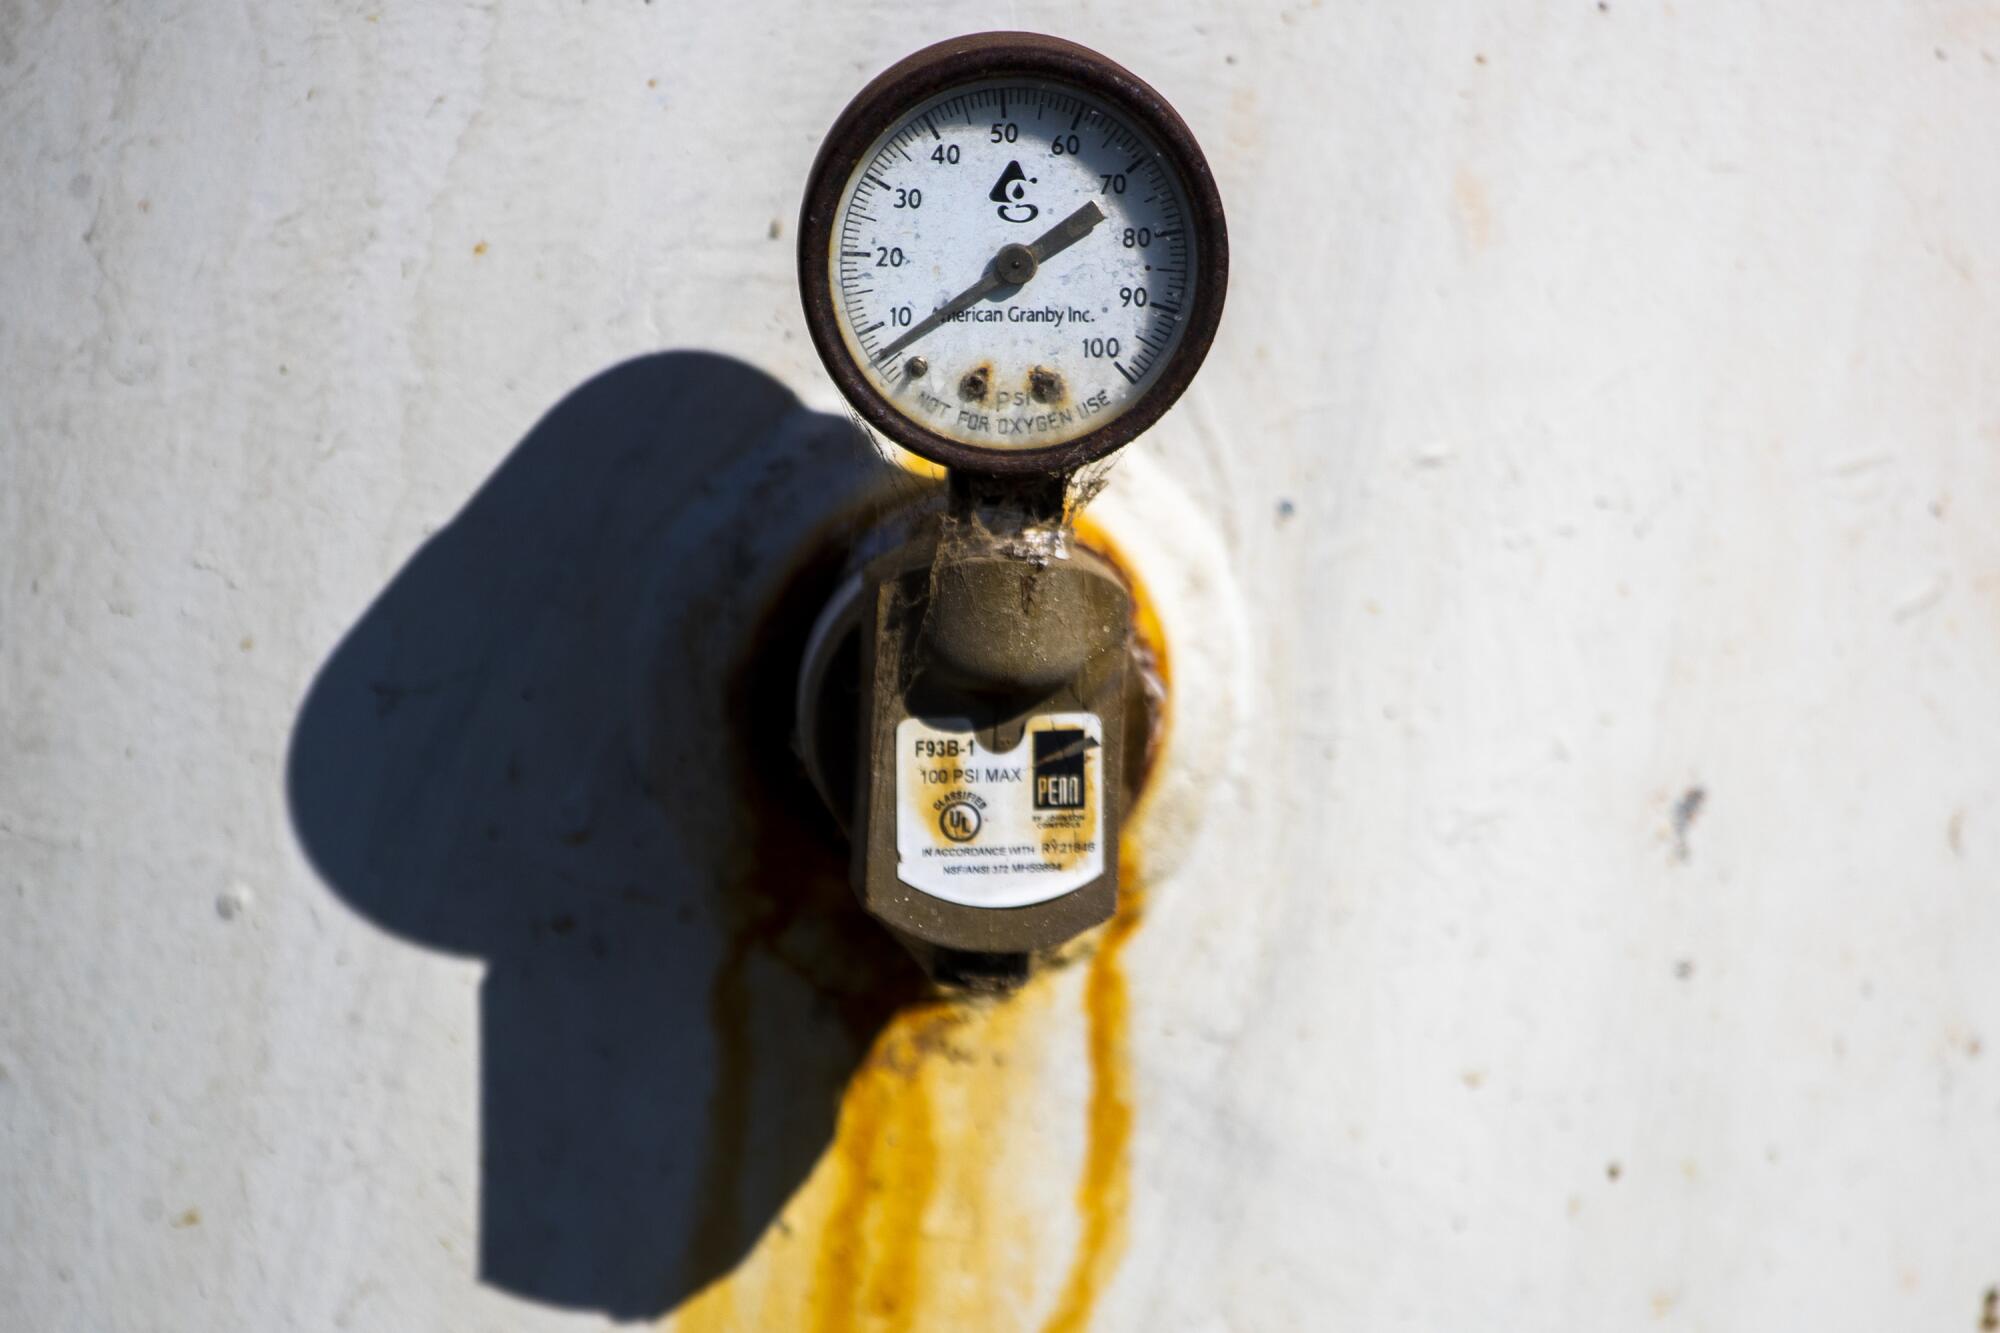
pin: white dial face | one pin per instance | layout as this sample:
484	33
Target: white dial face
1011	264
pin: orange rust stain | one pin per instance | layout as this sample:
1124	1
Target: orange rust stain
911	1219
714	1310
896	1282
1146	624
886	1154
910	463
906	1222
843	1258
1104	1193
1147	725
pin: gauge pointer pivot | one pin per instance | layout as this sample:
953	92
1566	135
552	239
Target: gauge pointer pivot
1011	266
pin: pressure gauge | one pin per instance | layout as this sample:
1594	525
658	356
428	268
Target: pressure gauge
1012	254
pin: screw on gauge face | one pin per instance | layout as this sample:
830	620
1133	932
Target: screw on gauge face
974	383
1015	264
915	366
1045	384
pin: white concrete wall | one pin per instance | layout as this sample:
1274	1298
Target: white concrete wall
1607	408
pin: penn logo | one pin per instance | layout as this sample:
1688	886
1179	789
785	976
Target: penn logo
1059	769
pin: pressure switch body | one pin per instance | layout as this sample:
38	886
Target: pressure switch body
992	756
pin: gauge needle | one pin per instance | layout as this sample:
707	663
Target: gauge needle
1012	265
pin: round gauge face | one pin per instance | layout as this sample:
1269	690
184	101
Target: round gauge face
1017	267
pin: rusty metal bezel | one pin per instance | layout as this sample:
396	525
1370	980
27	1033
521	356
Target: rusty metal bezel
980	57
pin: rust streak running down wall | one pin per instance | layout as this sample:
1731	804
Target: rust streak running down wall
1104	1194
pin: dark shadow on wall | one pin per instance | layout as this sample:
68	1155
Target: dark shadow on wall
546	744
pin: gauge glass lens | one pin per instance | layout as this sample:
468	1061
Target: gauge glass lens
1011	263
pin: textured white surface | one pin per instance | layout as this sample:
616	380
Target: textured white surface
1608	406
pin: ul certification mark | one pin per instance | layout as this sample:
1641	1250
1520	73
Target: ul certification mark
959	821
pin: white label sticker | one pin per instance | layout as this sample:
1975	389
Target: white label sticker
988	829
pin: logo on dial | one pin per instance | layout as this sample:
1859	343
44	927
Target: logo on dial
1011	193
